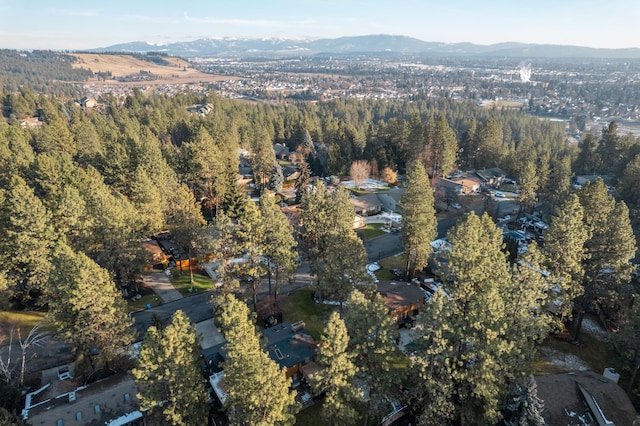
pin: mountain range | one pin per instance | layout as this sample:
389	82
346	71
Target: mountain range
388	44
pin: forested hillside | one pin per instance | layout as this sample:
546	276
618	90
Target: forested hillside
42	71
83	186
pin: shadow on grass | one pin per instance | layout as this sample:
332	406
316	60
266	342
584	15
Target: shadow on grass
299	306
182	283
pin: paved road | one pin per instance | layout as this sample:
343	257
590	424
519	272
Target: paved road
197	307
388	245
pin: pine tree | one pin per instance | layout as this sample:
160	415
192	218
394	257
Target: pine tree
337	377
168	373
26	238
303	182
564	253
372	335
324	214
528	186
418	220
251	237
610	249
86	306
279	244
258	390
469	343
524	407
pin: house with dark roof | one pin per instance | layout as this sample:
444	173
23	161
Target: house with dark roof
493	176
282	151
367	204
570	398
404	300
390	199
290	345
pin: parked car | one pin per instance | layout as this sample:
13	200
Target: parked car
499	194
456	206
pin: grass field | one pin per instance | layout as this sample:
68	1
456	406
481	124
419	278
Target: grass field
372	230
300	306
178	71
137	305
26	320
182	282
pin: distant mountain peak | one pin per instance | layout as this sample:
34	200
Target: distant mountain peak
376	43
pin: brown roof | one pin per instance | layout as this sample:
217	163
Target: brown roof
400	294
564	402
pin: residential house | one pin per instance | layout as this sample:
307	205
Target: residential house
290	345
390	199
290	173
65	401
491	177
281	151
88	102
584	395
404	300
367	204
458	187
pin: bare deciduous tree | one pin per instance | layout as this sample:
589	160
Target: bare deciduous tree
35	338
360	171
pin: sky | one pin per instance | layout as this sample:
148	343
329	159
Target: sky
74	25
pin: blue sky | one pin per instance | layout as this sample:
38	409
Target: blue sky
66	24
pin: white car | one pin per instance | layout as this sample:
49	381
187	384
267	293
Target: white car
456	206
499	194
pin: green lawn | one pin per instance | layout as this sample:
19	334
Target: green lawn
182	283
372	230
399	262
137	305
302	307
26	320
597	355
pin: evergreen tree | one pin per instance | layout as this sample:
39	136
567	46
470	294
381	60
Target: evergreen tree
337	377
610	249
589	160
258	390
524	407
251	237
443	146
629	188
564	253
276	180
469	343
86	306
225	246
26	238
418	220
187	227
344	270
168	373
279	244
627	341
324	214
528	186
372	334
303	182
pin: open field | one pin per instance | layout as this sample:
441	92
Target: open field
178	72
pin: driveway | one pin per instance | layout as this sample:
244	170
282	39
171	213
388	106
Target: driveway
160	283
